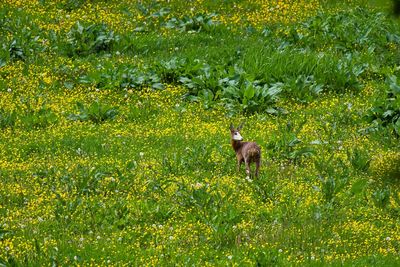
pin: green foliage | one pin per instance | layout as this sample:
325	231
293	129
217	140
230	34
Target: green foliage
288	146
109	76
96	112
197	23
386	111
85	39
345	31
303	88
83	180
149	178
242	95
20	37
70	5
7	119
15	51
35	115
333	176
142	112
41	118
381	197
386	168
359	159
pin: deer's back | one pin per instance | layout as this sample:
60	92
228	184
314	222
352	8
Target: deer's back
251	151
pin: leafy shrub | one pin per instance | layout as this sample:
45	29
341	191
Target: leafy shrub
251	97
86	39
25	44
386	111
109	76
170	71
197	23
16	51
303	88
96	112
21	36
230	85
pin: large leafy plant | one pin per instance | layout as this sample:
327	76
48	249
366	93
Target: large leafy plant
386	111
96	112
85	39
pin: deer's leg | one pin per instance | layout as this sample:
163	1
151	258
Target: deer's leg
258	163
239	162
247	167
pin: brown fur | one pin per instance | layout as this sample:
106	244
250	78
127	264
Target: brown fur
246	152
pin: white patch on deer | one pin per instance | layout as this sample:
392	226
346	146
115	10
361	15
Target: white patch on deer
237	136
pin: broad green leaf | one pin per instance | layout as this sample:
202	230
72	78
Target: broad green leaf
249	92
358	186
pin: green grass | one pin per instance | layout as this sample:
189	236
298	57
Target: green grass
114	142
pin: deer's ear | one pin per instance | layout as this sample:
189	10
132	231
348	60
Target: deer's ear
241	126
232	127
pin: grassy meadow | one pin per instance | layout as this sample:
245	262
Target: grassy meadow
115	144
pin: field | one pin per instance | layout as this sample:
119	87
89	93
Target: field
115	144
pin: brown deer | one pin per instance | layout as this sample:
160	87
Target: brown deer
246	152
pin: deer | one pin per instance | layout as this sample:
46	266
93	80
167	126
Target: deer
246	152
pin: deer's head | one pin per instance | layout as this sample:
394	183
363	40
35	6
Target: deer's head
235	132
